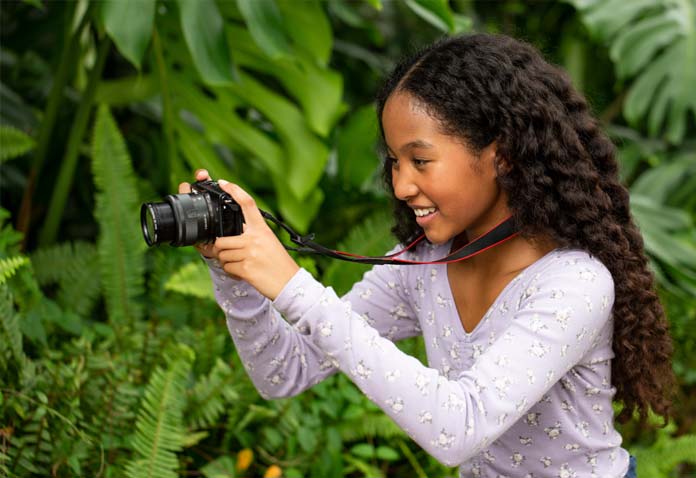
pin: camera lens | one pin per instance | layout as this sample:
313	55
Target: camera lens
158	223
183	220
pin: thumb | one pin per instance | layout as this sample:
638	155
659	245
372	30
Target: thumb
252	215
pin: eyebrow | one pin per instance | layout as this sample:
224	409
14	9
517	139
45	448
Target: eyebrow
418	143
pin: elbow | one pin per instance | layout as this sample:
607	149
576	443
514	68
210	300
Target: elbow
453	450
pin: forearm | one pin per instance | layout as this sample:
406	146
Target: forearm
280	361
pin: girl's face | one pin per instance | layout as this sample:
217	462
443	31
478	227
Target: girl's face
450	189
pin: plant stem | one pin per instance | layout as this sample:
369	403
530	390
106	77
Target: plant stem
67	170
71	51
167	110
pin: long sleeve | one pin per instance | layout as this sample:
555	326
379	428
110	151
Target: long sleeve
283	362
556	322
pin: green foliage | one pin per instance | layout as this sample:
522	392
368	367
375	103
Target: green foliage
371	238
14	143
74	268
120	248
660	458
257	93
159	427
9	266
655	43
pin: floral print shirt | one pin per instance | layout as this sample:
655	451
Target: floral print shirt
527	393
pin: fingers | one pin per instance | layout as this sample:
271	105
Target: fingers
202	175
252	215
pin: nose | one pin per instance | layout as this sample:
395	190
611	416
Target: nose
404	186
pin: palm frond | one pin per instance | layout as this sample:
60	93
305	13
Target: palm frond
159	428
120	246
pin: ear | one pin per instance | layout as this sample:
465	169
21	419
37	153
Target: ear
499	163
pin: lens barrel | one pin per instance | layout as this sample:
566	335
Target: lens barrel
182	220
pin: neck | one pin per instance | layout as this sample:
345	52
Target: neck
510	257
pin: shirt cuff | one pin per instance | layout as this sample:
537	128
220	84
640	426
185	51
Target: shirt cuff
298	296
212	262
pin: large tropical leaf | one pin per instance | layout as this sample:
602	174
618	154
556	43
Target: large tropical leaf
129	24
266	26
653	43
120	245
203	29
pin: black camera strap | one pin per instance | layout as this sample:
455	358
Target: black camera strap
502	232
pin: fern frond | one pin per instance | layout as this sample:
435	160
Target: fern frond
159	428
209	397
9	266
192	279
10	333
120	245
372	237
74	267
14	143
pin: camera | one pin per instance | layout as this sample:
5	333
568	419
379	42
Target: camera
202	215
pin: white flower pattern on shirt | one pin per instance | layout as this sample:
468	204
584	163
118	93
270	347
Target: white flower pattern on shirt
528	386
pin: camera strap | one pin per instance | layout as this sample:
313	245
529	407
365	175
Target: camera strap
504	231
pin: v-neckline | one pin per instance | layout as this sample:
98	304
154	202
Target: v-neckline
491	309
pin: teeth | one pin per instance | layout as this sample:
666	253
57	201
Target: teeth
424	212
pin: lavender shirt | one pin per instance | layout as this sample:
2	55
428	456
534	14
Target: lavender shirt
526	394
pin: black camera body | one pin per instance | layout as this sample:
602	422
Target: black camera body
202	215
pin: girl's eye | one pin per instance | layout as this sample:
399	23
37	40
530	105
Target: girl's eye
420	162
392	161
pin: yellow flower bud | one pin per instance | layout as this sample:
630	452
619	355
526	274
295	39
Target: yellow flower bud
274	471
244	459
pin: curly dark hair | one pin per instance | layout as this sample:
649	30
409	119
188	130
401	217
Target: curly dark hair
561	177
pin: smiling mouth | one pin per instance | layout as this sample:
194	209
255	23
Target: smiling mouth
424	212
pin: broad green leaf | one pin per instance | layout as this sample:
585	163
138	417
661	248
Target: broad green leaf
653	42
435	12
308	27
266	26
192	279
319	90
120	245
225	127
203	29
129	24
638	43
306	154
126	91
14	143
387	453
356	144
223	467
299	213
363	450
660	182
199	152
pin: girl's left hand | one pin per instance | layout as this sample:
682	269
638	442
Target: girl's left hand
256	255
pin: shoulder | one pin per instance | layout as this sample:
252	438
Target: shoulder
576	270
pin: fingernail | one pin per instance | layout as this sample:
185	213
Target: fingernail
222	182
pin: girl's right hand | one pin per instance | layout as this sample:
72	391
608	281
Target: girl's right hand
207	250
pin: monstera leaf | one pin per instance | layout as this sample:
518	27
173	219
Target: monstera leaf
652	43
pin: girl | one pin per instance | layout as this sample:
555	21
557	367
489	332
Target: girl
528	342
